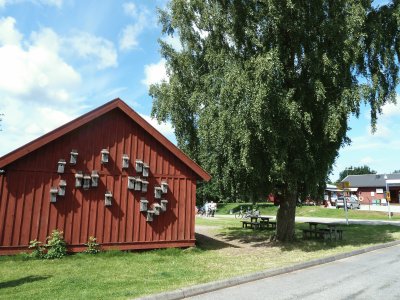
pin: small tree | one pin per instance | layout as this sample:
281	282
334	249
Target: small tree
92	246
355	171
37	249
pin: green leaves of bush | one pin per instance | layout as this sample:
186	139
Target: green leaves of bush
57	247
92	246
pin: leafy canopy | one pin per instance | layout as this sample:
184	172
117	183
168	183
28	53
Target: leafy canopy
361	170
261	91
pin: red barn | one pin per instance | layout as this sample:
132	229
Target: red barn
107	174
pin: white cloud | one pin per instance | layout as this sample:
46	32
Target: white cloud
8	34
381	131
95	48
165	128
391	109
130	9
129	37
174	41
366	160
36	86
37	71
155	73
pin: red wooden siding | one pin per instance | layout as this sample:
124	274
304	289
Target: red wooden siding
26	212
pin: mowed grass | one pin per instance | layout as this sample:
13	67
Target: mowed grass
309	211
125	275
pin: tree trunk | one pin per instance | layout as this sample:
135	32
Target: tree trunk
285	218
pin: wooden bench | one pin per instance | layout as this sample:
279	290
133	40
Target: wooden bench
310	233
248	224
323	233
272	224
267	224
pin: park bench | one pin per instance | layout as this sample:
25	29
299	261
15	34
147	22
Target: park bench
249	224
323	233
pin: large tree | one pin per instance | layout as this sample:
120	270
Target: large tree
361	170
261	91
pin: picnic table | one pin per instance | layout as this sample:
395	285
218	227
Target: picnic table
330	231
259	222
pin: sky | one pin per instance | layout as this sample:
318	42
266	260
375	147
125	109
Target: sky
62	58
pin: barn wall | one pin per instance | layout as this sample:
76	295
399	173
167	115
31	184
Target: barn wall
26	212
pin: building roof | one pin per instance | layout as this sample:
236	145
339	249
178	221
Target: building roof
74	124
370	180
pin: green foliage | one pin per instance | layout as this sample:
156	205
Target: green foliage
355	171
261	92
38	250
92	246
56	246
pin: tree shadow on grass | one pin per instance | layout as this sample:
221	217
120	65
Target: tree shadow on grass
353	235
207	243
21	281
255	237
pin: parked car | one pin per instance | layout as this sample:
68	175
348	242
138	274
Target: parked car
352	202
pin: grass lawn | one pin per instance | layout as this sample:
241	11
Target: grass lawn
310	211
124	275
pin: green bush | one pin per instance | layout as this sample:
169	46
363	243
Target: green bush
92	246
56	246
38	249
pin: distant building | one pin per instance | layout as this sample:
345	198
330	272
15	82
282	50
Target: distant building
372	187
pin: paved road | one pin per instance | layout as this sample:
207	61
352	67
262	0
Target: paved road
374	275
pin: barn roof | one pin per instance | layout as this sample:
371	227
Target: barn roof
74	124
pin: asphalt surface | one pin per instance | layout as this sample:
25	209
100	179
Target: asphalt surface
373	275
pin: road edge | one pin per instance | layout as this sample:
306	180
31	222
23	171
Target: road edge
225	283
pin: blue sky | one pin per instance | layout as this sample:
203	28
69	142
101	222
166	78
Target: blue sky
62	58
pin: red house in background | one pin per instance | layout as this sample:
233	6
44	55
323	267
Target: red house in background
372	188
107	174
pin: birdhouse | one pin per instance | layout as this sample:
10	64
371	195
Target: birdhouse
156	209
86	181
108	198
139	166
157	192
61	188
150	215
125	161
145	184
95	178
53	194
78	179
131	183
138	184
61	166
143	204
164	205
104	156
74	157
164	187
146	170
